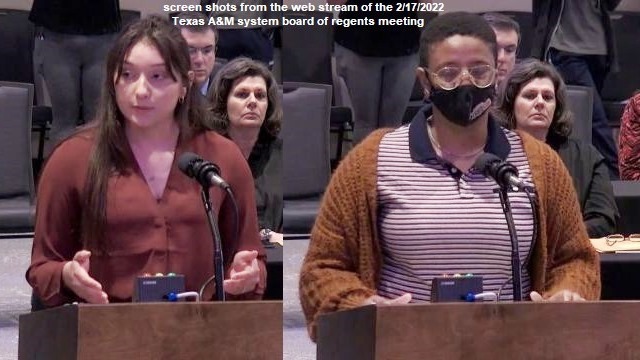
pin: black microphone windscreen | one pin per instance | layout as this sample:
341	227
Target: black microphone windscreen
484	160
186	162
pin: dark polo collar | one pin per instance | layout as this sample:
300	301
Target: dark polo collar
422	150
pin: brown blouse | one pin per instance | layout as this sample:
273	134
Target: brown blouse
145	234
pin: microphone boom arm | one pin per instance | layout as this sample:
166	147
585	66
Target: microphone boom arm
515	252
218	261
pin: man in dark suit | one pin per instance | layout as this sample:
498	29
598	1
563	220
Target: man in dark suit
202	41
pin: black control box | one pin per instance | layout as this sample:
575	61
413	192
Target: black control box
157	288
455	288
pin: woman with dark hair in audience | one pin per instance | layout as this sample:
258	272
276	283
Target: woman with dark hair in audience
246	109
533	98
112	204
629	140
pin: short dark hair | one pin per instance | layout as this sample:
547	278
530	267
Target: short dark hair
223	84
196	28
456	23
525	71
502	22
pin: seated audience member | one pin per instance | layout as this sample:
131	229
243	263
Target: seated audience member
629	140
113	205
533	98
407	205
246	109
507	37
202	49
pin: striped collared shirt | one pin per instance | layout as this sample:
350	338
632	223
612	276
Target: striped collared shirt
435	220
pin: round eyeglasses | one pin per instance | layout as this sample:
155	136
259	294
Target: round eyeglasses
450	77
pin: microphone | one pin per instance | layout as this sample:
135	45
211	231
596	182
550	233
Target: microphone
205	172
504	173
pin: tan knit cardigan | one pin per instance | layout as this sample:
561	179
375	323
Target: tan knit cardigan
341	268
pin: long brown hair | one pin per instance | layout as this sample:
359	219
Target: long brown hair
522	73
109	153
223	84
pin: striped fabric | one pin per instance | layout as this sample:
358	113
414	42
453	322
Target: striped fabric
434	221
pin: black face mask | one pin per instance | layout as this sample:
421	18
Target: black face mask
464	104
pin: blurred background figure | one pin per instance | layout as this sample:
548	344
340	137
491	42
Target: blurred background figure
247	109
508	37
378	65
252	41
576	36
533	98
70	51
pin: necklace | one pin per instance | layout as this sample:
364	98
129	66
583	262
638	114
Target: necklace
448	154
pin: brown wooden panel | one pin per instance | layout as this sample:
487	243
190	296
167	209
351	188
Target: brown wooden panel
49	334
230	330
585	330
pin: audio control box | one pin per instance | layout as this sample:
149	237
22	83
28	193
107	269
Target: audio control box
157	288
454	288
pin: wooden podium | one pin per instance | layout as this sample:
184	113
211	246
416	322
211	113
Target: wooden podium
207	330
579	330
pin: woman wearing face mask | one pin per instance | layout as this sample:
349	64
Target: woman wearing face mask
246	109
533	99
407	205
112	203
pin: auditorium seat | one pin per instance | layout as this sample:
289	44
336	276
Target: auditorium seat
627	194
307	57
306	160
580	100
17	194
620	86
17	35
416	101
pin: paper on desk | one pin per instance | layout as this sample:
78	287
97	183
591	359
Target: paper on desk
618	247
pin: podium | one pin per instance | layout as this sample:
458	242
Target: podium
578	330
206	330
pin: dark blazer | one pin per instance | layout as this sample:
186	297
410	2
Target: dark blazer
265	162
593	187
